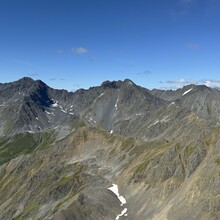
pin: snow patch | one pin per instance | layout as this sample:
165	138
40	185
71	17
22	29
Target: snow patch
100	95
114	189
49	113
71	108
31	132
36	118
111	131
116	105
122	213
71	113
156	122
165	119
187	92
90	119
55	104
63	110
172	103
138	114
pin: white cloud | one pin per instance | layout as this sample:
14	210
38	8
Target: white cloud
79	50
178	83
181	81
212	83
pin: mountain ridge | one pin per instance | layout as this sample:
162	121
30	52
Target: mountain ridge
60	151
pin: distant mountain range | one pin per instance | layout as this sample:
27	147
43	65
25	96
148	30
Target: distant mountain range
60	151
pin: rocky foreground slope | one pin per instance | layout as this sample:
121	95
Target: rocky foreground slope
60	152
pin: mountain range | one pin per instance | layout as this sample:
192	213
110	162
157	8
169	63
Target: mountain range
115	151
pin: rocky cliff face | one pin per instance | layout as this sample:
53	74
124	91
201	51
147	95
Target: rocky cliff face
61	151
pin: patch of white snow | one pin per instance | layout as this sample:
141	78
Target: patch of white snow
111	131
100	95
172	103
153	123
187	92
165	119
50	113
55	104
122	213
90	119
114	189
116	104
156	122
63	110
138	114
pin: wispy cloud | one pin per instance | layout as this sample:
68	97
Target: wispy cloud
52	79
56	79
182	9
60	51
92	59
178	83
23	62
192	46
33	74
168	88
79	50
146	72
213	83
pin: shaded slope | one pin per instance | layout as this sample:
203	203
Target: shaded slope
199	99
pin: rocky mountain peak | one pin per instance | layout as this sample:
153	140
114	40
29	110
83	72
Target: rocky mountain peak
25	80
110	84
117	84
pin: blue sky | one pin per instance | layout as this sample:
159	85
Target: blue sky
75	44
